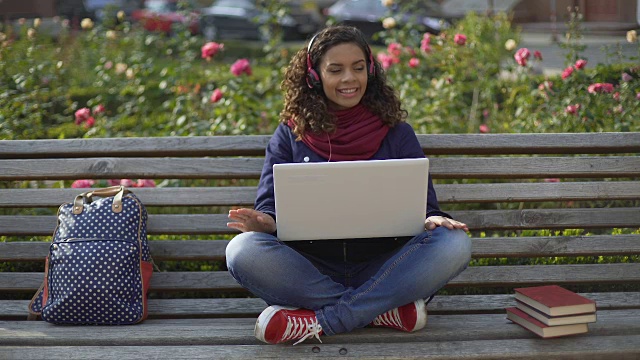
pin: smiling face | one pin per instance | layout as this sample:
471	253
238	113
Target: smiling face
343	70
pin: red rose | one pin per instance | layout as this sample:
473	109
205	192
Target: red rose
460	39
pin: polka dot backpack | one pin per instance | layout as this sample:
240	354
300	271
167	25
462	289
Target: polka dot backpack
98	268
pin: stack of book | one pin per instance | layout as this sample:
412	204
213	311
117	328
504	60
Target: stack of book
552	311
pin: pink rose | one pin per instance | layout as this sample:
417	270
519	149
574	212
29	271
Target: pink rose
484	129
385	60
216	96
552	180
424	43
99	109
545	85
113	182
90	122
626	77
145	183
537	55
394	49
600	88
460	39
521	56
240	67
638	96
414	62
127	183
82	115
210	49
78	184
580	64
572	109
567	72
616	96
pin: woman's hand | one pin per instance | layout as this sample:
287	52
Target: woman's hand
434	221
251	220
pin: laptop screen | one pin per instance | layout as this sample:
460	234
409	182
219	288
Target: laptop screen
351	199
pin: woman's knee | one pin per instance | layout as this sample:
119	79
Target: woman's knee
458	245
242	248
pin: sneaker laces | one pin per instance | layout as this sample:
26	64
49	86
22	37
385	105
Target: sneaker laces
390	318
301	328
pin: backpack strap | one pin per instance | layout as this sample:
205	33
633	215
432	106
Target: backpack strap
87	197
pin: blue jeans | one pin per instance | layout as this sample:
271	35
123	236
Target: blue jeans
346	296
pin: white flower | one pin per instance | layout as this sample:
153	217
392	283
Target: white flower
387	3
120	68
31	33
86	24
111	35
389	23
36	22
510	44
632	36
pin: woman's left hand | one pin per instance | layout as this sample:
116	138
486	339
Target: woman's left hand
434	221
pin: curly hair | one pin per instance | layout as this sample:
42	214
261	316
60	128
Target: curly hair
307	107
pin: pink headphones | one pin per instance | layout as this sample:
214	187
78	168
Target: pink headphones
313	79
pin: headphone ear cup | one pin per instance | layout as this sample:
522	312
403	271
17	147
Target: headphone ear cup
313	80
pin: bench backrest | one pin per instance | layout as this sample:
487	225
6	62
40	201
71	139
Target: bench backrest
504	186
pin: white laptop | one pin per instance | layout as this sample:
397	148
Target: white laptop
351	199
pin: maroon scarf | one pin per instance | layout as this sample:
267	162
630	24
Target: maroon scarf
358	136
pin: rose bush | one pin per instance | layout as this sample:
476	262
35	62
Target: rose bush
122	81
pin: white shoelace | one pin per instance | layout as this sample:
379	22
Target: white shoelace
390	318
301	328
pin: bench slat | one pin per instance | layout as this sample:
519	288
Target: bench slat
245	196
254	145
559	143
251	307
213	250
592	347
504	275
476	219
249	168
599	245
167	332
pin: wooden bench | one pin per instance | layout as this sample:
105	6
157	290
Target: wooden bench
494	183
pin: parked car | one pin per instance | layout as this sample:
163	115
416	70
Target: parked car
73	10
367	15
164	15
241	19
109	8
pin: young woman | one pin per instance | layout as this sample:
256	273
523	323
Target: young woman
338	107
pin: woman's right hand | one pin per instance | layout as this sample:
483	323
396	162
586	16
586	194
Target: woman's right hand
251	220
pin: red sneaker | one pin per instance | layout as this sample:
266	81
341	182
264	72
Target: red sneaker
278	324
410	317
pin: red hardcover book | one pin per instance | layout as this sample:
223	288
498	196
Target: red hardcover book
556	320
554	300
545	331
